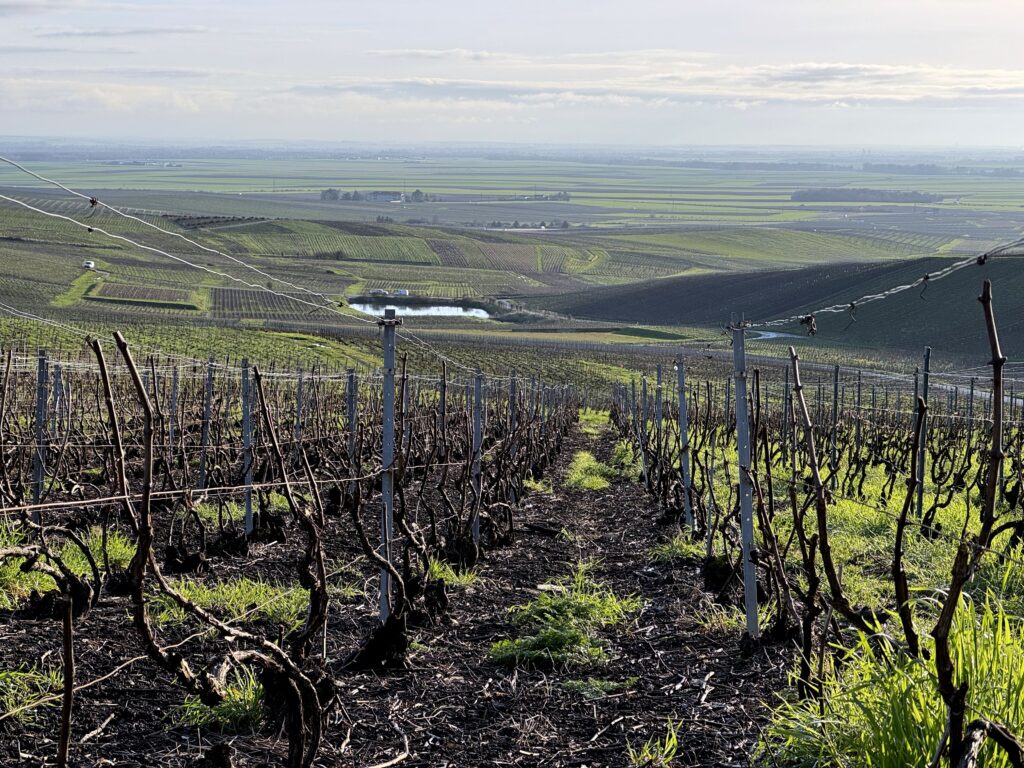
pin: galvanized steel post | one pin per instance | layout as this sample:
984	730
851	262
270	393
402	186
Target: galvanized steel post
746	492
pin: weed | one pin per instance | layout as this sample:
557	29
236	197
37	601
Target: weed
625	460
242	706
718	618
587	473
658	751
439	570
886	704
565	618
240	599
679	547
211	514
593	423
538	486
16	585
25	687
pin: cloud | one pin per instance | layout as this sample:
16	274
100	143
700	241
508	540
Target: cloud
553	96
451	54
809	83
120	31
160	73
31	50
22	7
15	7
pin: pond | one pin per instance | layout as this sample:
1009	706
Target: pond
421	310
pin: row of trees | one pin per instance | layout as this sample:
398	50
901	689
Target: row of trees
553	224
333	194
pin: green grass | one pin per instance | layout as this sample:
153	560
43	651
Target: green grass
883	710
26	687
593	423
211	513
16	585
538	486
658	751
561	626
679	547
240	599
588	474
80	286
441	571
626	461
241	709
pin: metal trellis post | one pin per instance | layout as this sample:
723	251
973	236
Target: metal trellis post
746	493
388	455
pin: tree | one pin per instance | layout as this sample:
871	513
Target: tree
329	194
417	196
565	225
357	195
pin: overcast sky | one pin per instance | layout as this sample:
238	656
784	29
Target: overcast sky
672	72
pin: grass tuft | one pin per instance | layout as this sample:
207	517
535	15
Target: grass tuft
593	423
439	570
679	547
538	486
626	461
238	599
659	751
16	585
564	620
588	474
887	705
242	707
26	687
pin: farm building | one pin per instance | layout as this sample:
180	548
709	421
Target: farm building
383	197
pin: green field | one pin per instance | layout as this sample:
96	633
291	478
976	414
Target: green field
645	242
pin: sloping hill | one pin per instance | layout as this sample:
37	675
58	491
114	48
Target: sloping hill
946	315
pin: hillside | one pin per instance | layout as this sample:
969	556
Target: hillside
942	316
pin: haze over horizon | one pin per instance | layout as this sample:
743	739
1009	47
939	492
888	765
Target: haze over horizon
792	72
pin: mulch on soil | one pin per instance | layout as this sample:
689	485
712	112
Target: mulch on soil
452	705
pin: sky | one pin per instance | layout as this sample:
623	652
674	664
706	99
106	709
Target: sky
644	72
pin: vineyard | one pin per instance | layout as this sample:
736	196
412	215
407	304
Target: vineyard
142	514
875	526
256	526
818	561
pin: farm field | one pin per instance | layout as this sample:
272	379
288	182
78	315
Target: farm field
594	271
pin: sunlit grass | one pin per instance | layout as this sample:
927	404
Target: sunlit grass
241	709
884	709
238	599
563	621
